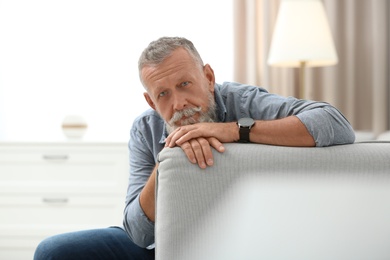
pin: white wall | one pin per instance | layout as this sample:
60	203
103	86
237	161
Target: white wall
80	57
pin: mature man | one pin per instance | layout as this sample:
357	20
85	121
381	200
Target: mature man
191	111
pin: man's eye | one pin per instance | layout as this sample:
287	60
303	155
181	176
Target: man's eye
185	83
162	94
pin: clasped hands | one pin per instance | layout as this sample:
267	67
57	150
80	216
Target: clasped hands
198	139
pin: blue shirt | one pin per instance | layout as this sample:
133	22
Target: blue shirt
233	101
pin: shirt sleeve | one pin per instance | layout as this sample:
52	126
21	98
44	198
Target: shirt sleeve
323	121
142	158
327	126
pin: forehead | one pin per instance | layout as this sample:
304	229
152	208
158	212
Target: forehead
180	62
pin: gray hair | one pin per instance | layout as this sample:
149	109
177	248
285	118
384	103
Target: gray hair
158	50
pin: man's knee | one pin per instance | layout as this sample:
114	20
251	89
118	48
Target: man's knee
48	249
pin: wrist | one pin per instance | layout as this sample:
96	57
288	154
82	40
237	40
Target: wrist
234	132
244	128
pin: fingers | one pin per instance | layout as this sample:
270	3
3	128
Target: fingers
199	151
195	143
181	135
170	141
222	132
189	152
216	144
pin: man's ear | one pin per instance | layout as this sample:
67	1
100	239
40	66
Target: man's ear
209	73
149	100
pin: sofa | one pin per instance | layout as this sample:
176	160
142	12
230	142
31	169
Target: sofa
272	202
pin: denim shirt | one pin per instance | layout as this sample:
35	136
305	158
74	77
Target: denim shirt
233	101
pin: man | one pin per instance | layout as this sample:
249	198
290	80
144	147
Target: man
191	111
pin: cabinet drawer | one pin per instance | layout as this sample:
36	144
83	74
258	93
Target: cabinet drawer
61	210
69	166
52	188
79	169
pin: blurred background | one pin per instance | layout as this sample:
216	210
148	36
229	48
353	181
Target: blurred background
79	57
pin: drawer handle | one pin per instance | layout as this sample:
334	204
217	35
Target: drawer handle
55	200
56	157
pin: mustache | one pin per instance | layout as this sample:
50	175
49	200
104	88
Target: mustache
188	112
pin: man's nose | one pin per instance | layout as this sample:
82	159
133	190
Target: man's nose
179	101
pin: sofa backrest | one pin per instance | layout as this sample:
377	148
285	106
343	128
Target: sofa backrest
187	196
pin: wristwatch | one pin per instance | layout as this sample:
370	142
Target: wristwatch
245	124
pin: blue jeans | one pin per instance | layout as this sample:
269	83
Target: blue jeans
105	243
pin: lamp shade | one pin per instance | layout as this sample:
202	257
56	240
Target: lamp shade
302	34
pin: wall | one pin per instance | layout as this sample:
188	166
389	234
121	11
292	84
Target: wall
80	57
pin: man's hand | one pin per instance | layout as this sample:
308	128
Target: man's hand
196	140
198	150
223	132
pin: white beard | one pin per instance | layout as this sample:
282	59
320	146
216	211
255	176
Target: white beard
208	116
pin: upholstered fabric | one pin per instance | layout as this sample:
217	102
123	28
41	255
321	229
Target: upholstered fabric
185	193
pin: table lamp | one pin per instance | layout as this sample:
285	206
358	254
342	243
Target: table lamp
302	38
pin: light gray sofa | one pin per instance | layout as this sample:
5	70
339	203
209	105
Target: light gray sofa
202	213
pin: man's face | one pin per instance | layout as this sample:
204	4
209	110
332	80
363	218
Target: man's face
180	90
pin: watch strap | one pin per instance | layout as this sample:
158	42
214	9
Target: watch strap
244	134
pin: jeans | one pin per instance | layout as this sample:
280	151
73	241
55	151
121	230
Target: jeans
106	243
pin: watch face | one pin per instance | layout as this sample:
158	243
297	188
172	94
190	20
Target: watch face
246	122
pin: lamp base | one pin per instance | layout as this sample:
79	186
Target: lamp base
302	68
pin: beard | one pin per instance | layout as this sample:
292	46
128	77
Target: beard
209	115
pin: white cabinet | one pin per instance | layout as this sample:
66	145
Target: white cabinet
51	188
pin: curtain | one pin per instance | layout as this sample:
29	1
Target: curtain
358	85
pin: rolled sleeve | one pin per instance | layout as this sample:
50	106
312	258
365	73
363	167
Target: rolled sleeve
327	126
324	122
137	225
